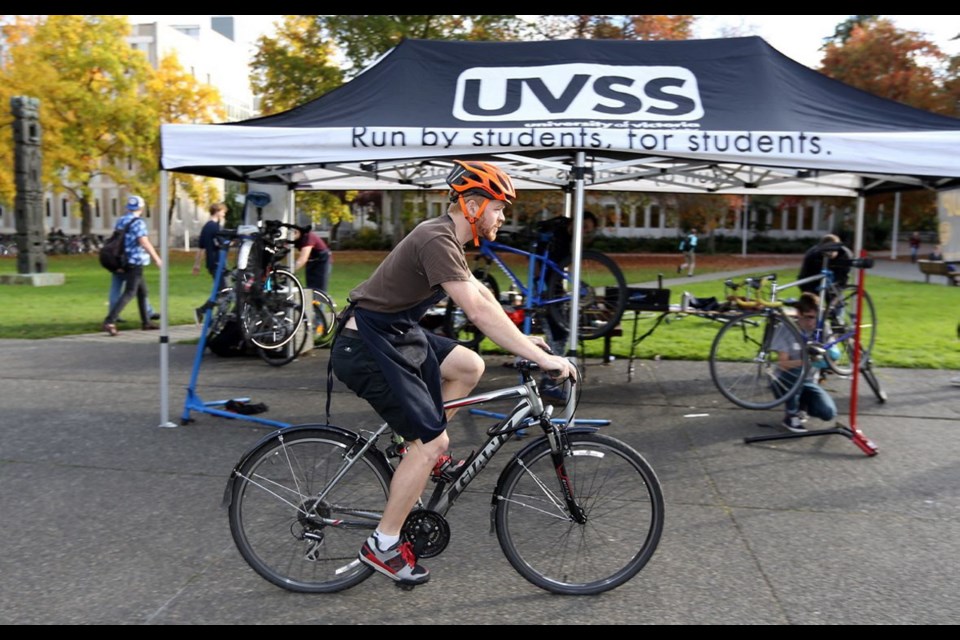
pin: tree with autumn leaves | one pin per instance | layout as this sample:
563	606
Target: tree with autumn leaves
872	54
101	105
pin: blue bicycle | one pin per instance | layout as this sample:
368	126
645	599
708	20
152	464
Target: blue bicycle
546	293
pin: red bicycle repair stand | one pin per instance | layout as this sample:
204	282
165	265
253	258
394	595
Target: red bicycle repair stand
193	401
852	432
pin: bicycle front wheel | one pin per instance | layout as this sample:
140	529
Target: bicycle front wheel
745	367
603	295
622	503
286	531
270	317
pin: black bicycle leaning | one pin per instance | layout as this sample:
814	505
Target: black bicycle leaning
318	324
266	299
576	512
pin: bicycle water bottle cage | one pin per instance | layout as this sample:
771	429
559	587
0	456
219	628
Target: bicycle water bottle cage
258	198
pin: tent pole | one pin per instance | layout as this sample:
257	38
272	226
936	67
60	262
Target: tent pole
896	226
744	223
577	253
858	232
164	304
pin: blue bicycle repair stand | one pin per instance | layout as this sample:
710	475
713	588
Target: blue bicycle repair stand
194	402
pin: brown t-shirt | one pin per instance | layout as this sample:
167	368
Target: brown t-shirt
429	256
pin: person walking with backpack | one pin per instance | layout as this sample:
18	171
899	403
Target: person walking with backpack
138	253
688	247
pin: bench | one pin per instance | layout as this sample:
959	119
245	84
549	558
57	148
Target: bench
950	270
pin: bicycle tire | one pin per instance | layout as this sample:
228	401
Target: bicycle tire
458	326
289	352
841	316
745	369
223	310
603	295
271	497
622	501
874	383
269	319
324	318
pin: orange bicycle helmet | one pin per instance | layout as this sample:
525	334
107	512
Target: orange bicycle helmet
478	178
491	180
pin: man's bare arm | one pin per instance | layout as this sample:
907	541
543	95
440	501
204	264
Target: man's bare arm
484	311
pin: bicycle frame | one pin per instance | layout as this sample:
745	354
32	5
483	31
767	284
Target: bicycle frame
826	280
530	406
533	292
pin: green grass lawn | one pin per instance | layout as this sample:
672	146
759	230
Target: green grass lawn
916	325
917	322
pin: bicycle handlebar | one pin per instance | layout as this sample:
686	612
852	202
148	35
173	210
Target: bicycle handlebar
272	229
528	367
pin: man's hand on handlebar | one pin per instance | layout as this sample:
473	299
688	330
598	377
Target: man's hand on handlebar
558	368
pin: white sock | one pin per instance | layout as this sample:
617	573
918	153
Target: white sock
384	541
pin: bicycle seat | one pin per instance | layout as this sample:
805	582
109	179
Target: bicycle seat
258	198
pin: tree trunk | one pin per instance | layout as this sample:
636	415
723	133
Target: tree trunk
86	217
173	203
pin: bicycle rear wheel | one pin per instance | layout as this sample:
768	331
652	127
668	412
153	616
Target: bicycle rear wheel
324	318
744	366
284	531
622	503
603	295
290	351
842	316
270	316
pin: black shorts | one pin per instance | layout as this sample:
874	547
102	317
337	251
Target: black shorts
355	367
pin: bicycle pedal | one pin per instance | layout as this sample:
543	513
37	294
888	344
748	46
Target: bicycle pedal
448	469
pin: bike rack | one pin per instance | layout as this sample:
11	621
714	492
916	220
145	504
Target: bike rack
193	401
851	432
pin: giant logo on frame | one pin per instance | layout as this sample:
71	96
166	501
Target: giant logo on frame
577	91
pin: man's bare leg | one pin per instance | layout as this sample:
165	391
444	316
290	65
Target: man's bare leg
460	372
409	481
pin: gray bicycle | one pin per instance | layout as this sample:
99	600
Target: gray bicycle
576	512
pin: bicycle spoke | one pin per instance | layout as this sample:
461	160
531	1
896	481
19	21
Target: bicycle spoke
622	508
299	515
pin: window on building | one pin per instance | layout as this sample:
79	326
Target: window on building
806	221
791	217
609	217
64	207
655	217
113	207
49	208
96	207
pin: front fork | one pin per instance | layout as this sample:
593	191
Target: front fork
559	451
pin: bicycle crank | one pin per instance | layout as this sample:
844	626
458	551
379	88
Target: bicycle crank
427	531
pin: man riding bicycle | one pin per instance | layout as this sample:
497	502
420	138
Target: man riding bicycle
406	373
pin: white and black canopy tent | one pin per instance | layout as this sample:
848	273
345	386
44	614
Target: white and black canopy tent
713	116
